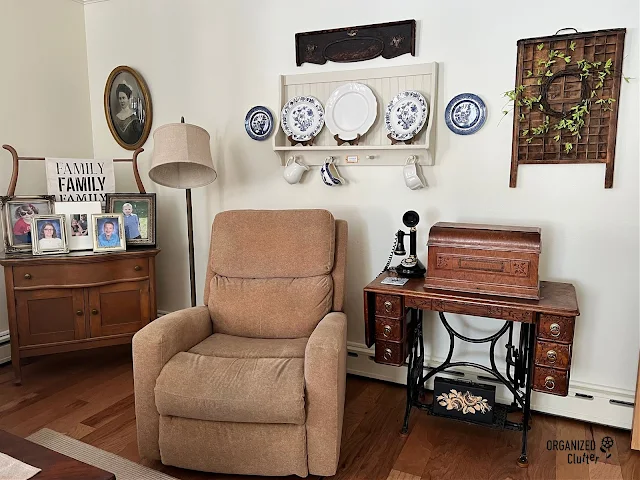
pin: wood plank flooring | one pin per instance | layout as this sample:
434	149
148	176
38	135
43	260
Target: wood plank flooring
89	396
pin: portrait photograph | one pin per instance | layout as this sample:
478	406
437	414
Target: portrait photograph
127	107
107	232
139	212
49	234
78	222
17	213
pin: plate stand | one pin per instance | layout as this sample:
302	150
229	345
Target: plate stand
355	141
306	143
395	142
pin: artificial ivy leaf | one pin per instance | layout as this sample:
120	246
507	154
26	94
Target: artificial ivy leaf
568	147
539	81
572	46
529	140
593	93
505	112
567	59
627	79
540	46
529	73
541	107
557	138
525	133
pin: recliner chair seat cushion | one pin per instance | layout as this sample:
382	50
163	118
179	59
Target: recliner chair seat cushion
221	345
251	390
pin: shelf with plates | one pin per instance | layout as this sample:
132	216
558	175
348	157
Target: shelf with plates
374	147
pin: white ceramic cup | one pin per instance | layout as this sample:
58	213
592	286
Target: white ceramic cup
293	170
410	173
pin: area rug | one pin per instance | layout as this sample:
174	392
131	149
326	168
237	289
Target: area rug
122	468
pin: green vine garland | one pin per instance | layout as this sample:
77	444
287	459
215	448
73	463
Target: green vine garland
574	120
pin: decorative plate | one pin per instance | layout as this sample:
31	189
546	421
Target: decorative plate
465	114
351	110
259	123
302	118
406	114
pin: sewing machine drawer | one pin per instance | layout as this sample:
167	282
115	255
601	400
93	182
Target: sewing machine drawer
551	380
556	328
389	329
551	354
390	353
389	306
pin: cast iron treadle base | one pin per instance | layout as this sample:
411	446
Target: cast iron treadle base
500	421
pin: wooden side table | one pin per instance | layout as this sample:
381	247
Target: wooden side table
54	465
61	303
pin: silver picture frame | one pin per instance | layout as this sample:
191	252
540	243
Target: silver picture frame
17	227
108	239
49	234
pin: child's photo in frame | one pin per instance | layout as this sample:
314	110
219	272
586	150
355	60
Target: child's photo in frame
108	232
139	212
17	213
78	216
48	234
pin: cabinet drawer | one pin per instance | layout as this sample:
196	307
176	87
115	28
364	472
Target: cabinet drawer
556	328
390	353
389	306
551	380
80	274
389	329
551	354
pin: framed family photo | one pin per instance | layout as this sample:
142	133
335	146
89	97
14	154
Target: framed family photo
49	234
139	212
107	232
127	106
78	222
17	212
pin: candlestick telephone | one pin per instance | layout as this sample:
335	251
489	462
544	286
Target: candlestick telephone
410	267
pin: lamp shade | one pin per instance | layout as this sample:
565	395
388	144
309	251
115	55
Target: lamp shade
181	156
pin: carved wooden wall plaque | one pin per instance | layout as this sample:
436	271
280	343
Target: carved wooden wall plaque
355	44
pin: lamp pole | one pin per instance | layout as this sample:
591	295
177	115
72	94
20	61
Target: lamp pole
192	261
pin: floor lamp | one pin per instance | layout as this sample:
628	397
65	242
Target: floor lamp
182	159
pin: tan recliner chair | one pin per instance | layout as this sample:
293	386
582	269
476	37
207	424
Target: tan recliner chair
253	382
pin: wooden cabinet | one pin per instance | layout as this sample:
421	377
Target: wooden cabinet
77	301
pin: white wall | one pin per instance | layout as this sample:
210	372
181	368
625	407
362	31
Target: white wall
45	101
212	63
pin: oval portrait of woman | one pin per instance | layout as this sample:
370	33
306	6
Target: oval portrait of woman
127	106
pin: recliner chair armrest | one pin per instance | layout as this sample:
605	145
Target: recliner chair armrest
153	346
325	374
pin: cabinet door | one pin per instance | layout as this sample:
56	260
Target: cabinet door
118	308
50	316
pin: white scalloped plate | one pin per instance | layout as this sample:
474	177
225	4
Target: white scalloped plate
351	110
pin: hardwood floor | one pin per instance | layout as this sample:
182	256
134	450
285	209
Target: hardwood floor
89	396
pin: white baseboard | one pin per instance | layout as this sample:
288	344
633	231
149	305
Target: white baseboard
588	402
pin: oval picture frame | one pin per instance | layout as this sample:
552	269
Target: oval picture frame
130	133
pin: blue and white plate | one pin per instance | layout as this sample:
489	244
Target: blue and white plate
302	118
405	115
259	123
465	114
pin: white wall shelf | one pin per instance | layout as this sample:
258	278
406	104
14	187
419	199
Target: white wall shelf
374	148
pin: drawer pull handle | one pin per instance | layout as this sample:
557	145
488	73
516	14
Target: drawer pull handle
386	331
388	306
554	328
79	313
137	268
94	311
387	354
552	356
550	383
27	276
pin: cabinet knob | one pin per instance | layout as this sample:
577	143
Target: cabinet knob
387	354
94	311
386	331
554	328
388	306
27	276
552	356
137	268
550	383
79	313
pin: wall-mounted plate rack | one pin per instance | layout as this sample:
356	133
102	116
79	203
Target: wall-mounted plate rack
374	148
